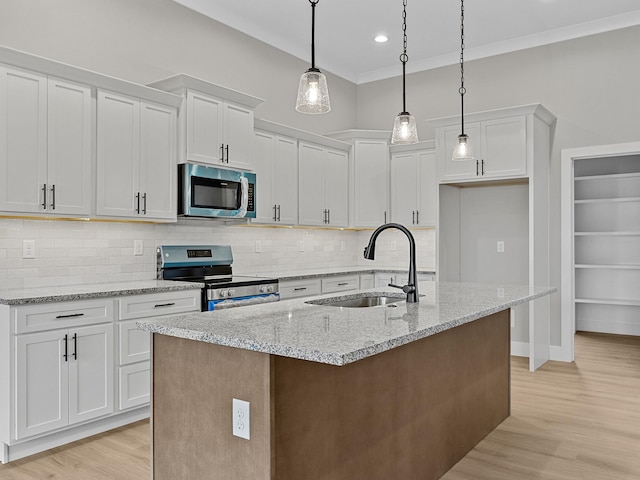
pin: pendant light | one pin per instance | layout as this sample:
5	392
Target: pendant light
404	126
313	93
463	150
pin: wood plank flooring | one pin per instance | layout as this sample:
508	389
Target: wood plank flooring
568	421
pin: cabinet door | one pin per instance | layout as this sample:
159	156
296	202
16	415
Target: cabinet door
404	192
336	187
504	147
285	192
69	148
135	385
158	161
90	372
134	344
371	182
23	140
42	383
118	171
427	189
310	201
205	117
447	138
262	162
238	131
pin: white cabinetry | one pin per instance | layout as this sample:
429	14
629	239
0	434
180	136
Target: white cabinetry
413	185
602	186
46	133
215	122
134	380
340	283
479	213
369	173
136	158
299	288
323	186
499	145
275	161
64	376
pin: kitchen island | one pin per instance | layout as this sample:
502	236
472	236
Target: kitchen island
399	391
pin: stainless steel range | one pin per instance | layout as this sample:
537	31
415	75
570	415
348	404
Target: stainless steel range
211	265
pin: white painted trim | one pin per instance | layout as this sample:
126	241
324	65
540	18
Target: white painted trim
303	135
520	349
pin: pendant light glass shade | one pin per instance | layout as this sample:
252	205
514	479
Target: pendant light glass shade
313	93
404	129
463	150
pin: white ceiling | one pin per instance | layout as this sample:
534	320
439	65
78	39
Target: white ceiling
345	28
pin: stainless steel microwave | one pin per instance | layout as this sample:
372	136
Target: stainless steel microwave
213	192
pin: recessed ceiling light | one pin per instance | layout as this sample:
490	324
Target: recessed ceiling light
381	38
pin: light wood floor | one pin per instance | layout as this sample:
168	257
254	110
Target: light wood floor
568	421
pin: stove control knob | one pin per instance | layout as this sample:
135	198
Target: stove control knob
263	289
223	293
230	292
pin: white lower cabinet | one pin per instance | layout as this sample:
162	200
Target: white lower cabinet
341	283
299	288
134	382
63	377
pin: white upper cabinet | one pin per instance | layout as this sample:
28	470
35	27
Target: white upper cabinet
414	185
46	128
215	122
502	142
135	158
323	186
275	161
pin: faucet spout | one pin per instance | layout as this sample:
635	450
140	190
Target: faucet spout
411	288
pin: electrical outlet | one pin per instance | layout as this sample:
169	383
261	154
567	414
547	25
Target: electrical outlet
342	245
28	249
138	248
241	419
301	245
258	246
500	246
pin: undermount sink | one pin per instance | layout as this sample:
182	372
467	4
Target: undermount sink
358	301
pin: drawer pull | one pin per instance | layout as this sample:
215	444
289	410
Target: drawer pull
297	289
170	304
71	315
343	284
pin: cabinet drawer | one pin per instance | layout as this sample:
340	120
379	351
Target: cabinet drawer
300	288
135	385
150	305
340	284
34	318
135	345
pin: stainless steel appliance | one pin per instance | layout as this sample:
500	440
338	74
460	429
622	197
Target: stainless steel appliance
205	191
211	265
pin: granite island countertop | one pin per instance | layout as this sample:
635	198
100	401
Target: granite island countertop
337	335
68	293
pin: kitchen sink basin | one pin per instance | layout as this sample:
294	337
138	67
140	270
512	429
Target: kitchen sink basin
358	301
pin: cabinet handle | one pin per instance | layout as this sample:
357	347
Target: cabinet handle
138	203
159	305
417	217
71	315
53	197
476	168
222	152
483	166
144	203
413	217
44	196
274	212
75	346
342	284
328	215
278	212
226	148
66	348
385	216
297	289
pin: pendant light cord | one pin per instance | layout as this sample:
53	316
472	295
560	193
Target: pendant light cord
313	33
462	90
404	57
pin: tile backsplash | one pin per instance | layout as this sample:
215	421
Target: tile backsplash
75	252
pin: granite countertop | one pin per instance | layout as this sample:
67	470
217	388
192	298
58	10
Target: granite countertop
22	296
301	274
338	336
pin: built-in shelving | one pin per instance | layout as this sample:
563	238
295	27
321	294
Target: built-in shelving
606	240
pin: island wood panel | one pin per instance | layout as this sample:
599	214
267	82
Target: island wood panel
410	413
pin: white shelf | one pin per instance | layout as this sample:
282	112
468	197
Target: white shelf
606	234
612	176
609	266
608	200
609	301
